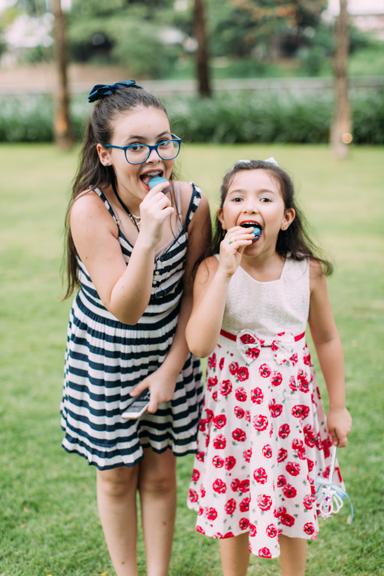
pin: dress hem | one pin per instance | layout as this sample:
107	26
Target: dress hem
128	464
234	534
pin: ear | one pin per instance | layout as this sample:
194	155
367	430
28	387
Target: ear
103	154
289	216
220	218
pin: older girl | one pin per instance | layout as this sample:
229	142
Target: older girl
131	249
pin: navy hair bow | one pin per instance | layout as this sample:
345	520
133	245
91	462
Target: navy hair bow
100	91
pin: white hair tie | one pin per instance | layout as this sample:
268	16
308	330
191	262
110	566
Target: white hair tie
270	160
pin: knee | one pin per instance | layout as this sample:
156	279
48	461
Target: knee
117	483
158	483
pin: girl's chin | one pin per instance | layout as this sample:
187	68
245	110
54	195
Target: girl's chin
253	247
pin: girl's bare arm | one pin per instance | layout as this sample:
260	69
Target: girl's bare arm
124	289
209	296
199	236
330	354
210	292
162	381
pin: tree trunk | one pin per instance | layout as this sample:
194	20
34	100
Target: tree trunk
62	123
341	130
202	64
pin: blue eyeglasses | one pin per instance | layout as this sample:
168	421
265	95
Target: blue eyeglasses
139	153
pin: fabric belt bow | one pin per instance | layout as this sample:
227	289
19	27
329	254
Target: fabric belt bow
250	345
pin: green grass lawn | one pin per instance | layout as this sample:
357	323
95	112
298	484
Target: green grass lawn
48	519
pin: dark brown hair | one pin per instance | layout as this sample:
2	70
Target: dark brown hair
91	173
294	241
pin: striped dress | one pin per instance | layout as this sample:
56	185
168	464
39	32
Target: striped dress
105	359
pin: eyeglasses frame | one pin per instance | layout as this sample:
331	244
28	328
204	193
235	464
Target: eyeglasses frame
150	147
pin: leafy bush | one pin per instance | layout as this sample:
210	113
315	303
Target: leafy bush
368	61
244	118
140	48
129	41
3	44
227	118
368	118
26	118
315	56
88	41
36	54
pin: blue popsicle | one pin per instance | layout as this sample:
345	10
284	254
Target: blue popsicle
256	233
156	180
257	230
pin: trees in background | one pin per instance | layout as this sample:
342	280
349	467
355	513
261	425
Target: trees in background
203	76
263	29
129	32
341	124
135	34
62	129
147	36
62	121
247	38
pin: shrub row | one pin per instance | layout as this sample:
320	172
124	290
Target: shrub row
226	118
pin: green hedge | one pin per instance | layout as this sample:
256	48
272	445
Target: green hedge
245	118
225	118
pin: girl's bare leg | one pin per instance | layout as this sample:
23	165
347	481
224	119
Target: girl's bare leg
293	554
157	487
116	498
234	555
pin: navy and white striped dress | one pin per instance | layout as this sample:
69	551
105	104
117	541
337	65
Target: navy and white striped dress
106	358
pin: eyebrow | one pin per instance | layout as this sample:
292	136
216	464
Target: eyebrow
141	137
243	191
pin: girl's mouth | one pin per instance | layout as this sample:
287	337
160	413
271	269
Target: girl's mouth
257	229
145	178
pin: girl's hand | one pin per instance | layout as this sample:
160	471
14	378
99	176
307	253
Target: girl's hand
155	209
232	248
339	425
161	389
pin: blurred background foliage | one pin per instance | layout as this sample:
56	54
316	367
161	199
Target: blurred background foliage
227	117
247	39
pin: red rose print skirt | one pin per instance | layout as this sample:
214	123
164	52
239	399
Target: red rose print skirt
262	443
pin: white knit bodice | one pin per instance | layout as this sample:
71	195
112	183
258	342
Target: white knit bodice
269	307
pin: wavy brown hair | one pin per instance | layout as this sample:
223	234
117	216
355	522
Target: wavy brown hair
91	173
293	242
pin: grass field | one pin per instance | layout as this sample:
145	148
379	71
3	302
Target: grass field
48	520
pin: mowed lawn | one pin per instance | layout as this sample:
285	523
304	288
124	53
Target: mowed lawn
48	518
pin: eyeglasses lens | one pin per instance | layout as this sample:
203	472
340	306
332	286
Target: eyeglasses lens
168	150
138	154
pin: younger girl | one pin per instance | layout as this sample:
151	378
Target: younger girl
263	439
131	250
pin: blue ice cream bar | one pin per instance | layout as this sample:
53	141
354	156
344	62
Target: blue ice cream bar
256	229
156	180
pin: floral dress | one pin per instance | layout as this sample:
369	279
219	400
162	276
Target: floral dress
263	438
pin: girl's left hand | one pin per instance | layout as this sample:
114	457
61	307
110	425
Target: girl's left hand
339	425
161	388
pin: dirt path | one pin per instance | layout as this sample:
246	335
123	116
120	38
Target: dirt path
42	77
